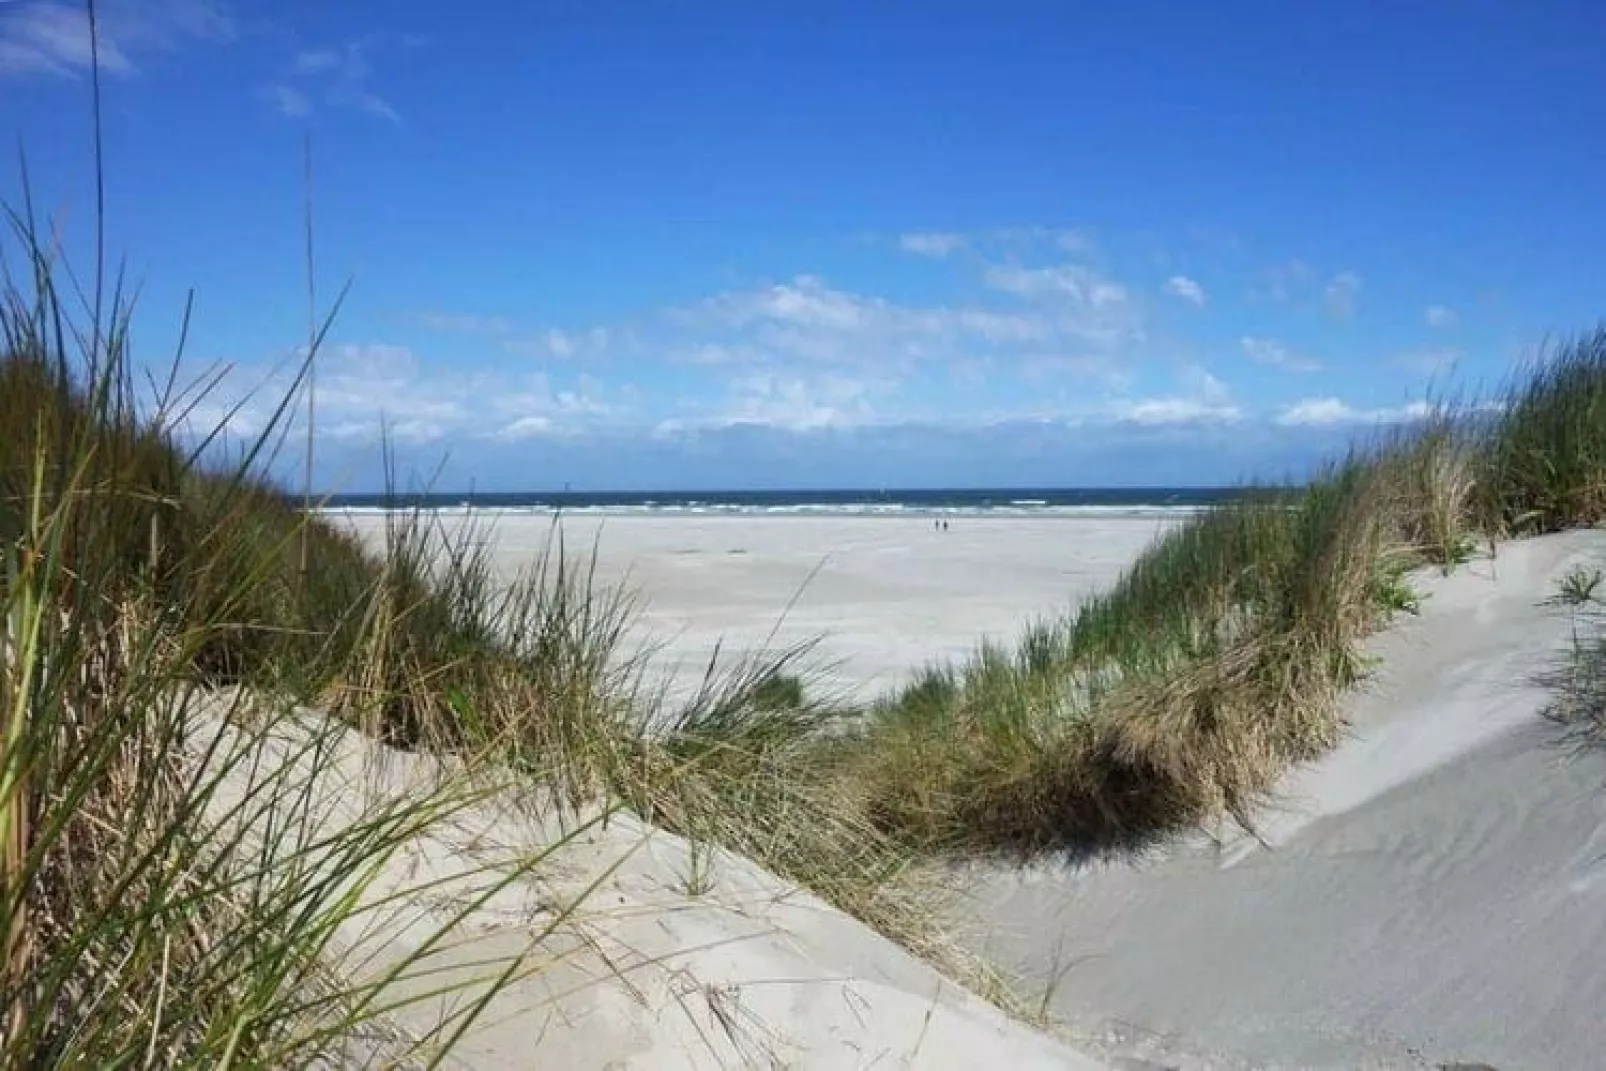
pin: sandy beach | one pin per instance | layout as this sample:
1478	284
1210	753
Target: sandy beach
883	596
1427	895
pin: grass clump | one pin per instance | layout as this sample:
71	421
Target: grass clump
1580	681
166	895
167	891
1543	463
1219	657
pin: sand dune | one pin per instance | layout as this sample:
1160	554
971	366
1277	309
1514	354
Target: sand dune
1429	894
748	972
1433	892
637	954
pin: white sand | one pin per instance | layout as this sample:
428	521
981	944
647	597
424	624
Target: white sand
749	972
1430	893
619	964
884	595
1433	892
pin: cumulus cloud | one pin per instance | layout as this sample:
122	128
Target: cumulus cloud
804	353
1175	411
524	427
808	320
797	403
1330	411
1205	399
1341	294
1046	339
52	37
1269	351
366	391
1441	316
1181	286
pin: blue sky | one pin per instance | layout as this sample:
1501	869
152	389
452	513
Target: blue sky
834	244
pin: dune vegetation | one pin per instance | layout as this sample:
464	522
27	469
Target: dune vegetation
1219	657
155	586
148	578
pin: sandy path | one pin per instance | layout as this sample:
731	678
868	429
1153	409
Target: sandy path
1433	892
883	595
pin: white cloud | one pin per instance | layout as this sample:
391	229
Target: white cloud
288	101
524	427
1013	241
1441	316
1073	281
934	244
768	353
1322	412
559	344
1208	401
1270	351
52	37
1341	294
368	390
1176	411
336	77
810	321
1185	288
799	404
416	431
240	420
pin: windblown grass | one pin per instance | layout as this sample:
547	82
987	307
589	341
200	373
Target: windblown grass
159	907
1219	658
1543	464
165	897
145	920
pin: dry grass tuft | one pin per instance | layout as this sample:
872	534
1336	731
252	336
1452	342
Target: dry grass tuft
1220	657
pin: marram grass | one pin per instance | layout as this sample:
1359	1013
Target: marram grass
146	923
1220	656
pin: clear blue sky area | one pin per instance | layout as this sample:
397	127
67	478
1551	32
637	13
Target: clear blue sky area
625	245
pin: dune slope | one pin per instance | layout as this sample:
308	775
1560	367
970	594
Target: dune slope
632	949
1433	892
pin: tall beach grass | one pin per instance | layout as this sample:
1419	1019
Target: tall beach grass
167	889
166	895
1219	657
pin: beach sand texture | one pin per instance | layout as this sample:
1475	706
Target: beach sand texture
884	596
1431	894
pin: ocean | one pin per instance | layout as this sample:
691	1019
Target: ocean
1022	501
